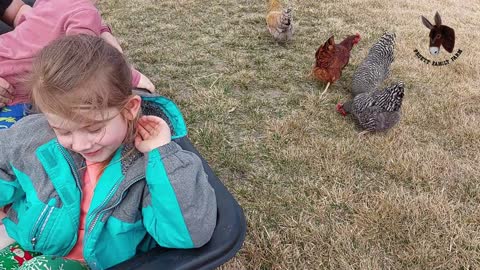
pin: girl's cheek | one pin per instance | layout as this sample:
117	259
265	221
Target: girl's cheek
99	137
114	135
65	141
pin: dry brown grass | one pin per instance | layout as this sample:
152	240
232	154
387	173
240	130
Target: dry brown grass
315	195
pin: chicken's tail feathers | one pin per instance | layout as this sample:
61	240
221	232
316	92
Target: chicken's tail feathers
398	87
286	18
392	97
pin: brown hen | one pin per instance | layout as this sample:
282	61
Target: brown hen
331	58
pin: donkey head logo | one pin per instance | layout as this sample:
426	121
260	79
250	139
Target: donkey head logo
440	35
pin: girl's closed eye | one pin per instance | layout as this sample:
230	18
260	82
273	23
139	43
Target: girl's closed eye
95	128
61	132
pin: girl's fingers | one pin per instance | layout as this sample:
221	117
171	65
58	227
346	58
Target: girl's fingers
142	131
150	119
150	126
4	100
153	118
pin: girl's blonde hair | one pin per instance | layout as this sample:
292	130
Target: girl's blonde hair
78	73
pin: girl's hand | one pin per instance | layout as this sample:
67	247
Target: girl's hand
6	92
110	39
145	83
152	132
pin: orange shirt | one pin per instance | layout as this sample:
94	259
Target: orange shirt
90	179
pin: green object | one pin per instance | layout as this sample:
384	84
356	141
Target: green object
14	256
52	263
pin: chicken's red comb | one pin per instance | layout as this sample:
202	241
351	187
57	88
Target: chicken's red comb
357	38
340	109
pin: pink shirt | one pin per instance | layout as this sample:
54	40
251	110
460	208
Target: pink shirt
90	179
47	21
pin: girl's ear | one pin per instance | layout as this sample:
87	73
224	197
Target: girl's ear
133	107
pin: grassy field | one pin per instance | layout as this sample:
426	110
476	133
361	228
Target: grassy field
315	194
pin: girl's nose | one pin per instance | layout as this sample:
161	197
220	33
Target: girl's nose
81	143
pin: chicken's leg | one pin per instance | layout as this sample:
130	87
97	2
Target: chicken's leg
363	133
324	91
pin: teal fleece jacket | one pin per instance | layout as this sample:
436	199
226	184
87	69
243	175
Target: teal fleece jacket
163	195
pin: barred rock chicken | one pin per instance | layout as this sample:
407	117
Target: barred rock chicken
331	58
279	21
375	68
373	108
378	110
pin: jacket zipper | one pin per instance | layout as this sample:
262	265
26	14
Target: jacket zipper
39	226
97	215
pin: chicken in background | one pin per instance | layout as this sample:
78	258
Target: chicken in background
375	109
331	58
279	21
375	68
